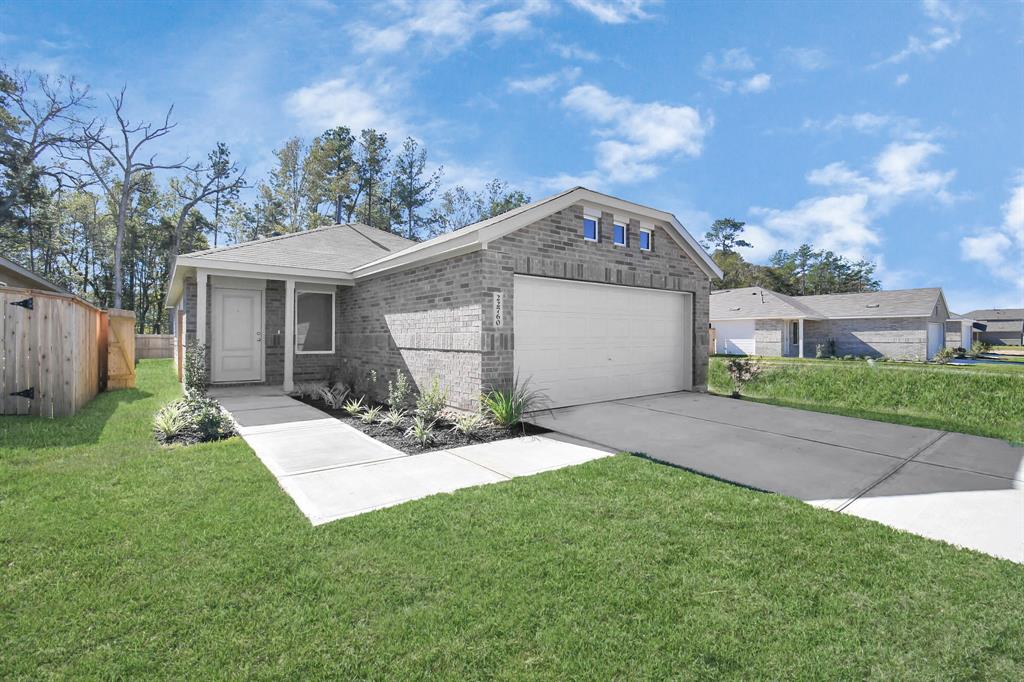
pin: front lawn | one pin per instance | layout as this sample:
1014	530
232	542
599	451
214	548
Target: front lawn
122	559
984	400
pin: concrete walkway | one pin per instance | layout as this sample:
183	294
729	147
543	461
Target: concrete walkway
962	489
333	470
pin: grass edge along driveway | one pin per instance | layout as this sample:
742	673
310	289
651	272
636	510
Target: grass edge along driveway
122	559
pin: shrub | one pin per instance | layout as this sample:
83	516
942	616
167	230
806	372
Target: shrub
192	419
979	347
507	406
819	351
354	406
170	422
944	356
742	371
432	401
371	384
421	431
370	414
195	368
310	389
393	418
468	424
399	390
334	396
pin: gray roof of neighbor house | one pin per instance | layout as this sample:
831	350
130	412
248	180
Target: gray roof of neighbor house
1012	326
898	303
332	249
756	303
16	276
996	314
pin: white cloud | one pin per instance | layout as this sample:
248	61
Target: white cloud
1001	249
756	83
839	223
545	82
444	25
637	136
902	79
871	123
572	51
942	33
614	11
724	71
345	101
807	58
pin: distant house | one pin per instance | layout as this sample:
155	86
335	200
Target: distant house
14	276
1003	326
962	331
904	324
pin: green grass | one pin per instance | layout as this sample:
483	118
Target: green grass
125	560
971	399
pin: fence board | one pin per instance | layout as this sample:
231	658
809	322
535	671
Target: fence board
154	346
121	350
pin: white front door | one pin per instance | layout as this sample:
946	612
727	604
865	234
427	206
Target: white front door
579	342
936	338
237	329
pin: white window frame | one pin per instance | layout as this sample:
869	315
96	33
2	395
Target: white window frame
625	232
301	288
650	239
597	228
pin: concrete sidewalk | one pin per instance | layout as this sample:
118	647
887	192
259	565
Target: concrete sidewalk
333	470
962	489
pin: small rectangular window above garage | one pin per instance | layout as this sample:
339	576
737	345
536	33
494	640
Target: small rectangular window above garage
646	239
619	234
590	231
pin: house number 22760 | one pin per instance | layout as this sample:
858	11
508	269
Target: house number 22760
499	308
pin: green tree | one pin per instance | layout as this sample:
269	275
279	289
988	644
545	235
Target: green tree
372	157
289	188
723	235
332	174
413	189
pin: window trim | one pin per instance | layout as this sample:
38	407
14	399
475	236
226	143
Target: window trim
314	289
650	239
625	233
597	228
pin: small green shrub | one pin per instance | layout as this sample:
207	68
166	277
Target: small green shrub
354	406
742	371
333	396
421	431
507	406
979	347
399	390
370	414
944	356
432	401
170	422
192	419
468	424
394	418
195	368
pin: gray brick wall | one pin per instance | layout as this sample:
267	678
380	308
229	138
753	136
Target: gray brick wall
554	247
768	337
898	338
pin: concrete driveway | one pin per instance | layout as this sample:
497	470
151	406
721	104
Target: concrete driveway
962	489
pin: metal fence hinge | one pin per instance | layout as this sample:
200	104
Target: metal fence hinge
29	393
25	303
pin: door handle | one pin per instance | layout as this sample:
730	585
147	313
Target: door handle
259	337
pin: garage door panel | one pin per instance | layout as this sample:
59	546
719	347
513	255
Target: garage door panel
735	337
580	343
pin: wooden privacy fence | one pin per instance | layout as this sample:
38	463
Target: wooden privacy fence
121	355
154	346
53	358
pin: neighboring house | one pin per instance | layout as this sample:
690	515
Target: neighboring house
962	331
1003	327
586	296
14	276
905	324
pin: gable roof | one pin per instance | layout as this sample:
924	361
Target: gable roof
19	272
751	303
333	249
996	314
897	303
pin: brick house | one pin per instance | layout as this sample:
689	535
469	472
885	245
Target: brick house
586	296
906	324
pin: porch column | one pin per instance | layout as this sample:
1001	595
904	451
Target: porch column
289	334
201	278
800	350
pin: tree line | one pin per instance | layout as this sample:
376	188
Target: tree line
87	202
804	271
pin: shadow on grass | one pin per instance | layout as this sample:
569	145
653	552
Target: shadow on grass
81	429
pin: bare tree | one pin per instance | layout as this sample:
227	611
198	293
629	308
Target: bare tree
106	156
218	177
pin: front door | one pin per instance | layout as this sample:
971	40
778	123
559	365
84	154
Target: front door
237	330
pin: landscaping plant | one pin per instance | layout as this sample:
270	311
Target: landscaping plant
421	431
354	406
333	396
432	401
393	418
192	419
742	371
507	406
370	414
170	421
195	368
399	390
944	356
468	424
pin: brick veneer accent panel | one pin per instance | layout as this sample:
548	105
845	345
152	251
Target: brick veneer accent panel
424	321
554	247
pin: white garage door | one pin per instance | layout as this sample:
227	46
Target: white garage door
583	343
734	337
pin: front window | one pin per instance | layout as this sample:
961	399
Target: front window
314	321
590	228
620	234
645	240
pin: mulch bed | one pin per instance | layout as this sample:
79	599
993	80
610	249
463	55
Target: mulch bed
444	437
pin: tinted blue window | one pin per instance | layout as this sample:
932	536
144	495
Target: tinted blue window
620	234
645	240
590	228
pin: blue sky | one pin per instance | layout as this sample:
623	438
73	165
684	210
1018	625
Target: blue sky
889	131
